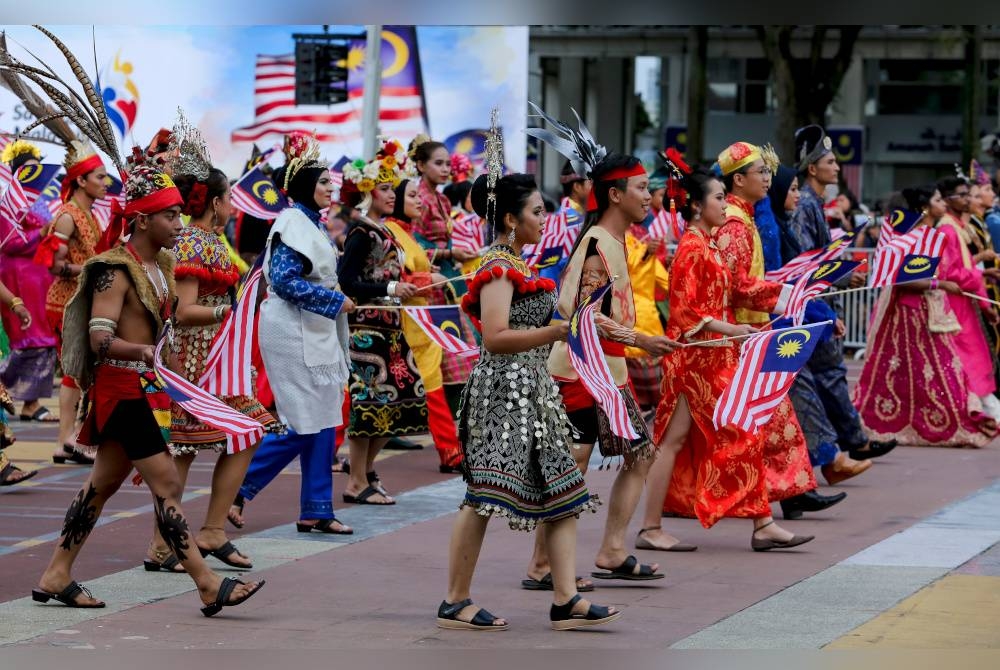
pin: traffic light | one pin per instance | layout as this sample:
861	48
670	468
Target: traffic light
320	70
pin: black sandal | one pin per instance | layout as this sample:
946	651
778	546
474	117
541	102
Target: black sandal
563	617
66	597
363	497
323	526
448	617
224	552
168	564
73	456
626	571
238	503
226	589
545	584
6	475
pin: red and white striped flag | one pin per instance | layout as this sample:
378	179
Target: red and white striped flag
811	285
13	204
587	358
556	234
768	364
227	366
808	261
401	104
665	227
437	321
467	233
5	173
889	257
242	432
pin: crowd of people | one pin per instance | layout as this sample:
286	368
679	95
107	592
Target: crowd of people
339	361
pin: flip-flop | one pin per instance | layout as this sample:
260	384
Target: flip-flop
363	498
625	571
9	469
224	552
41	415
168	565
238	503
226	589
323	526
545	584
66	596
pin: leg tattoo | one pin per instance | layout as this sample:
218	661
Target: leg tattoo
173	527
80	518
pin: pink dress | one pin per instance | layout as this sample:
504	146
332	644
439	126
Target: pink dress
956	265
914	387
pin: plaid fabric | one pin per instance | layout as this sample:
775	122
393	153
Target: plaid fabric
645	374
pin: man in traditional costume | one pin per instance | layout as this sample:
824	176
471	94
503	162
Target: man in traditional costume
111	325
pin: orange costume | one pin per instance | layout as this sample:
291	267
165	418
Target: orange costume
786	458
718	473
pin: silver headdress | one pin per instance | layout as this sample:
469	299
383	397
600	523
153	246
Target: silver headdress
494	169
86	111
579	146
188	152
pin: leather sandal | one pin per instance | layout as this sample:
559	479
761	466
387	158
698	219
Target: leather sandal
364	498
448	617
545	584
767	544
66	597
626	571
563	617
226	589
642	543
323	526
224	552
165	561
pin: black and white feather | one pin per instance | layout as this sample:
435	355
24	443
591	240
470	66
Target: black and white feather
579	146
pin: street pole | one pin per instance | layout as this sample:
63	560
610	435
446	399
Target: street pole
373	86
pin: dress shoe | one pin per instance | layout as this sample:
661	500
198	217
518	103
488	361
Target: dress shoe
810	501
766	544
873	449
843	468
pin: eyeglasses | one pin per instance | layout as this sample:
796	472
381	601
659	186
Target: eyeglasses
764	172
961	194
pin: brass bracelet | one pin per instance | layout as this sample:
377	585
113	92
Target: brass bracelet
15	302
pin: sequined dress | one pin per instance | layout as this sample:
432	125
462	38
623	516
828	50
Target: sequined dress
201	255
514	432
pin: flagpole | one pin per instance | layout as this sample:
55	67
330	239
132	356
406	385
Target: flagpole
980	298
372	94
732	338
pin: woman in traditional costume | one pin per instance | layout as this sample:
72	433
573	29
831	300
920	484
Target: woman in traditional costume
513	428
728	464
303	341
417	270
913	387
386	391
206	284
27	372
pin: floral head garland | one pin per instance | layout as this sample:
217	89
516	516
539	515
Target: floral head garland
387	167
301	150
461	167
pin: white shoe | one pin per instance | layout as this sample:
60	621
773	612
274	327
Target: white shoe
991	406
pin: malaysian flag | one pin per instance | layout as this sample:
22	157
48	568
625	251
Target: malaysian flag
467	233
899	222
227	366
444	326
256	194
242	432
810	260
24	191
894	256
666	226
402	112
811	285
102	207
587	358
768	364
556	237
45	207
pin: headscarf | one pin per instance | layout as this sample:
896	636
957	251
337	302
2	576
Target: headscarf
781	182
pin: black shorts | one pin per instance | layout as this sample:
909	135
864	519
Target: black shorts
584	423
133	426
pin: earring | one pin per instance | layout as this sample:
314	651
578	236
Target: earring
511	236
697	215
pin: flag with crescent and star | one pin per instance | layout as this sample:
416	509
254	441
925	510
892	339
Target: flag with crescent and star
256	194
768	364
811	285
443	324
587	359
22	192
907	257
808	261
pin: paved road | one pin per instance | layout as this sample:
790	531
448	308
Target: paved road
909	559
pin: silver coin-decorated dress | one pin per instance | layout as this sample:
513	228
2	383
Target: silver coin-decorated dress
512	426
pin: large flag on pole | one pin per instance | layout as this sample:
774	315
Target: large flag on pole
587	358
242	432
768	364
402	112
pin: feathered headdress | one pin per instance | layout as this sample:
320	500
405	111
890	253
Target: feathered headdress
579	146
20	149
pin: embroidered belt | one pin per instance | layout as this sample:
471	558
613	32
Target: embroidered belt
138	366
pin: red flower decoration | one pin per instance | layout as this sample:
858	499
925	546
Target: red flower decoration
675	157
739	151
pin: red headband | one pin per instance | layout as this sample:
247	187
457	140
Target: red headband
618	173
150	204
78	170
